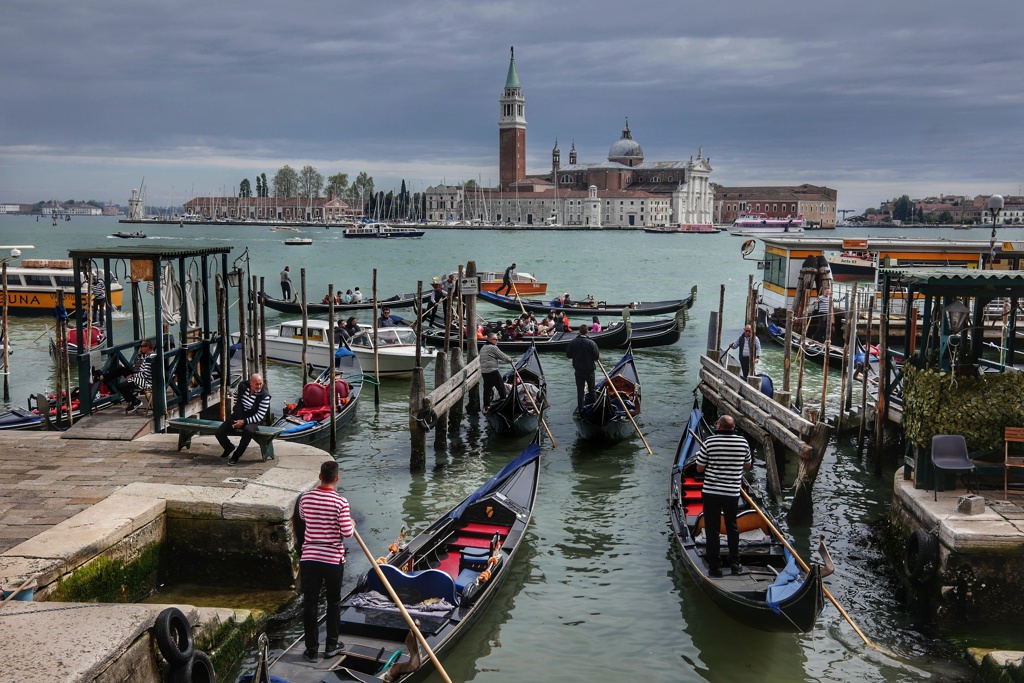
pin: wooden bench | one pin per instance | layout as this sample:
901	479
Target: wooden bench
187	427
1011	435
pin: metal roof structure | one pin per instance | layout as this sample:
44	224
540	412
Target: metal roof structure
956	277
147	252
893	244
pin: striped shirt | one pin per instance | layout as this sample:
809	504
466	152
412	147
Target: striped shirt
724	455
327	519
249	406
143	377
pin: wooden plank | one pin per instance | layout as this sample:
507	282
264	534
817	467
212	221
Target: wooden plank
788	418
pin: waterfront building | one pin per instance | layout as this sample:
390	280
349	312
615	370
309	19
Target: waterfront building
75	209
322	209
624	191
815	203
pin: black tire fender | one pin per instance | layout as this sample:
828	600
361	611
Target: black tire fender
921	558
174	636
427	418
198	669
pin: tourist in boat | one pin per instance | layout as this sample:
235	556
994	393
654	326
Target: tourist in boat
327	299
547	326
506	280
722	459
341	335
252	401
584	354
357	296
595	325
351	326
386	319
528	324
286	284
328	521
348	297
130	381
491	358
743	344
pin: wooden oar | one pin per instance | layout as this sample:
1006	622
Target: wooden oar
828	594
519	300
401	608
778	534
624	407
526	391
20	588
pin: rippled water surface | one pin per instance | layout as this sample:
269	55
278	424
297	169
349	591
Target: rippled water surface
595	592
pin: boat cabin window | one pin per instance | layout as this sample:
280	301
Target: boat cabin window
296	332
775	270
65	281
361	339
39	281
13	280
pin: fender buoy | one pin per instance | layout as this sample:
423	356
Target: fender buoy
427	418
174	636
921	558
198	669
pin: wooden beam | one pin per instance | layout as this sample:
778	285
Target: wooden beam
787	417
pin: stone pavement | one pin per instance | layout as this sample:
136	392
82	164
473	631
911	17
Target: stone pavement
45	480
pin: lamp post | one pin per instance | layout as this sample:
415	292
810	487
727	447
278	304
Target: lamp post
995	205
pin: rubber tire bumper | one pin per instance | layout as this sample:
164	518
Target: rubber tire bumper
174	636
921	558
198	669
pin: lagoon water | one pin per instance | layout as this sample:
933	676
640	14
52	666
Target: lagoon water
594	593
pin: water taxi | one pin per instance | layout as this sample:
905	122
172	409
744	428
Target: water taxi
526	284
699	228
32	286
382	230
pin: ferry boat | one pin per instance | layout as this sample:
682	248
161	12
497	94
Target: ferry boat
382	230
32	287
699	228
759	223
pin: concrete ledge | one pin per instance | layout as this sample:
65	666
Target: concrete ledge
185	501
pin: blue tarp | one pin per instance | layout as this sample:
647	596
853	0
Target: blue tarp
300	428
786	585
532	452
342	352
688	451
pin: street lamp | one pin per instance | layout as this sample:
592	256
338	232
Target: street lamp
995	205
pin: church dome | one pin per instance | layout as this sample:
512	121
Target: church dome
626	149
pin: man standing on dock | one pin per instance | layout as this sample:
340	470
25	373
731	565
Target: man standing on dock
286	284
722	459
506	280
743	344
328	520
584	354
252	402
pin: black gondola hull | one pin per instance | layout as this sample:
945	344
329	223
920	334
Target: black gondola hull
614	337
295	308
516	414
637	308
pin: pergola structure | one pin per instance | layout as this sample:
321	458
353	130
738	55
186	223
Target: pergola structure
191	340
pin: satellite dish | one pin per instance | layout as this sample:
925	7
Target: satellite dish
747	247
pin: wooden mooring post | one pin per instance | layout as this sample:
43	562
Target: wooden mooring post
469	320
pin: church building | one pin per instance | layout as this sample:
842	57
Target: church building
624	191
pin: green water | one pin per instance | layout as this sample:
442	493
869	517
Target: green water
595	593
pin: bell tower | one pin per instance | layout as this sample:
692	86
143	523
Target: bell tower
512	129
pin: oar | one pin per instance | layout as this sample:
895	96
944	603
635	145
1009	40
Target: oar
828	594
526	391
20	588
401	608
518	298
624	408
778	534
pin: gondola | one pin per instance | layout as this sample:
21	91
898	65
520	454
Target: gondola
606	419
649	334
591	307
295	308
309	419
813	349
772	593
516	413
612	337
31	418
446	577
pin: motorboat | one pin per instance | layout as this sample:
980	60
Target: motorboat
396	347
298	241
32	287
382	231
850	266
698	228
130	235
525	284
759	223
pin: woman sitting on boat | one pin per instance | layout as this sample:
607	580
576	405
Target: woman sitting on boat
596	326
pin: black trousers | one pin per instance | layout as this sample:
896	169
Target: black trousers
129	392
506	287
315	575
581	380
714	508
286	290
493	380
226	428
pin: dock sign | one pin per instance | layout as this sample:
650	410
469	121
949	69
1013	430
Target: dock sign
855	244
1013	246
469	285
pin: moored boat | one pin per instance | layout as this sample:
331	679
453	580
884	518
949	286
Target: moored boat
525	284
771	593
653	333
446	577
518	413
309	419
32	287
607	418
295	308
590	306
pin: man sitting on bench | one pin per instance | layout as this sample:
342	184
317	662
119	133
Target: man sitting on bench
251	405
130	381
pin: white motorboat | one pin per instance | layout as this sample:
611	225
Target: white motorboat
751	223
397	347
298	241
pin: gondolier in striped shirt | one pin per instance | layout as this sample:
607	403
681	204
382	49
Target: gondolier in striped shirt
130	381
251	405
328	520
722	459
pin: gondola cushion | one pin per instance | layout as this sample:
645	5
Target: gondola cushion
466	577
414	588
474	558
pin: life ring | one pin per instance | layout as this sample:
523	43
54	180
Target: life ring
198	669
174	636
426	418
921	558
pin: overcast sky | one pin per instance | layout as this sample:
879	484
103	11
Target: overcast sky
874	98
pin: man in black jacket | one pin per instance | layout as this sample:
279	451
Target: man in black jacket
251	405
584	354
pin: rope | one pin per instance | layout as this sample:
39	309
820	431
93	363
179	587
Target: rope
243	480
55	609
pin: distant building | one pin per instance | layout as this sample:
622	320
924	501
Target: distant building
623	191
76	209
816	204
327	210
10	208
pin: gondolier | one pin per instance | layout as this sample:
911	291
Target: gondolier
133	380
743	344
286	284
252	401
491	360
506	280
722	459
584	355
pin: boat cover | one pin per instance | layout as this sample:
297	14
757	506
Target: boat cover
786	584
532	452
